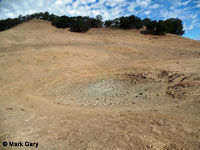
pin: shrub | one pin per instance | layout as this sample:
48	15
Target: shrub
125	23
151	26
146	21
174	26
160	28
99	22
108	23
116	23
61	22
96	22
79	24
130	22
9	23
83	24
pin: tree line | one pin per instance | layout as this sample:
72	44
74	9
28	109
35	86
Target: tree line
83	24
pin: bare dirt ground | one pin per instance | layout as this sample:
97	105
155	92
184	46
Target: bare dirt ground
104	89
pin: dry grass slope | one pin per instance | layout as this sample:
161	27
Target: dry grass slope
104	89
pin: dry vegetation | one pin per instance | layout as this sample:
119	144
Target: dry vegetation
104	89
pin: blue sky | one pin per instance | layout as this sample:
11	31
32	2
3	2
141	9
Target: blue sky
186	10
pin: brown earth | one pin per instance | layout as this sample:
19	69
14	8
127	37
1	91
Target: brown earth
104	89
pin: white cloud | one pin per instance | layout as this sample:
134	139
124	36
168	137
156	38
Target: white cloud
131	7
183	14
186	2
147	12
190	19
197	3
179	3
58	3
189	27
143	3
194	24
154	6
10	8
10	15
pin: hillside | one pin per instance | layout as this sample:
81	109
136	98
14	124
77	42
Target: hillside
103	89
